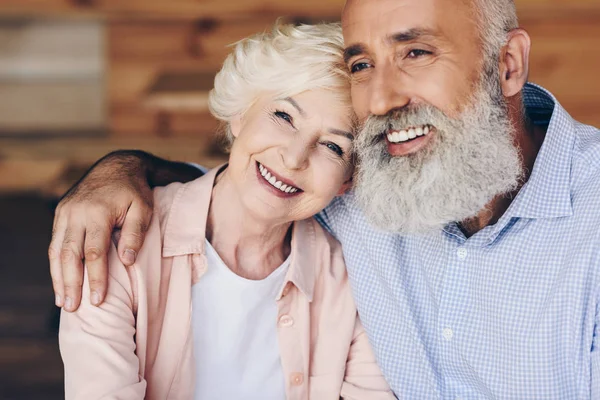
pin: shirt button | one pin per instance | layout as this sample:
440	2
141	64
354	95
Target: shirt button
461	253
297	378
286	321
447	333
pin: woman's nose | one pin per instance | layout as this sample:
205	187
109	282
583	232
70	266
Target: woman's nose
294	154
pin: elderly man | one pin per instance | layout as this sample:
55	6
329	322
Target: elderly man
472	237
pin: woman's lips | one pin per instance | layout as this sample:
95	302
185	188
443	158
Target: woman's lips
278	185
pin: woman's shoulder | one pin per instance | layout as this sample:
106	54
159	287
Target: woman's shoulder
164	197
328	250
323	238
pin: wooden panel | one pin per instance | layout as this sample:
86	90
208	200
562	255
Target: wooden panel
565	58
176	9
135	120
557	8
51	76
49	107
140	51
220	9
234	9
180	40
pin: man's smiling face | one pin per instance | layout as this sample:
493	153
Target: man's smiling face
436	143
410	52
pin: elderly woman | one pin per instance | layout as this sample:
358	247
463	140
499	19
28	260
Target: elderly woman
237	292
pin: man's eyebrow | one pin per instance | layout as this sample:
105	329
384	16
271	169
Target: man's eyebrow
398	37
410	35
295	105
354	50
341	133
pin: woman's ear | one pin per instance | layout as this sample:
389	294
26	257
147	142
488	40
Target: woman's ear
235	125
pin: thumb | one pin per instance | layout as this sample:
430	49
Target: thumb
133	232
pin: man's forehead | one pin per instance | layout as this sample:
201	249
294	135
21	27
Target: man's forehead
363	18
372	13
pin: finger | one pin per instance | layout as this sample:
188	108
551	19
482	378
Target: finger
58	234
71	255
134	231
95	251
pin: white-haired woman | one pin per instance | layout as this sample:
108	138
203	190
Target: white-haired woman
237	292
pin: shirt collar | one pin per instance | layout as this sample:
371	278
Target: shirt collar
547	193
185	232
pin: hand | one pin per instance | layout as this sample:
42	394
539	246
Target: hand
114	194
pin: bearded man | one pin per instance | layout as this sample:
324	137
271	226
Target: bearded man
472	237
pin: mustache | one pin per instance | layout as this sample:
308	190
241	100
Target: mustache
397	119
375	128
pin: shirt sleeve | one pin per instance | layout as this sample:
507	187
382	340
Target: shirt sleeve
364	380
97	343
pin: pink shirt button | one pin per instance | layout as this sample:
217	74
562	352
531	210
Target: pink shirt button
297	378
286	321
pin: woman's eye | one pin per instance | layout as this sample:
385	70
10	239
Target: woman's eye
284	116
416	53
335	148
359	67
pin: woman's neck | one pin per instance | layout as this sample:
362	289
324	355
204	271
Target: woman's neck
250	247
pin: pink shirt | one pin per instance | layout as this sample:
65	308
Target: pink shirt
138	344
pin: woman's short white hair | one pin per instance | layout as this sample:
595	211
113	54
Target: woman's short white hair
283	62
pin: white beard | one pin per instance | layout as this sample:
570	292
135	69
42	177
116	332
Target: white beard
469	161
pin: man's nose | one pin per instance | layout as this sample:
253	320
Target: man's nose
387	91
295	153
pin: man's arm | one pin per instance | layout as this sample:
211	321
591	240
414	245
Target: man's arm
116	193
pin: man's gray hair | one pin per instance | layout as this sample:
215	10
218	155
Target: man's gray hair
495	18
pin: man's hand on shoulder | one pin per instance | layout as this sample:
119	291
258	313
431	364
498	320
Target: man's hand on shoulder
113	194
114	197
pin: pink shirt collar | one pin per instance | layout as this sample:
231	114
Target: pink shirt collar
185	233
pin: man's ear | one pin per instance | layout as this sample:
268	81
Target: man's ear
235	125
345	187
514	62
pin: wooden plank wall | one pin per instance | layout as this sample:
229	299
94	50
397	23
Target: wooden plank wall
565	55
148	37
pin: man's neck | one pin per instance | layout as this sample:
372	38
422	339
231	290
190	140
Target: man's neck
528	139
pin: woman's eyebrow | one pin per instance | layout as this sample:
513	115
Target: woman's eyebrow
295	105
340	132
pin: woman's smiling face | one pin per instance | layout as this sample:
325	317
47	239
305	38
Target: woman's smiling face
291	156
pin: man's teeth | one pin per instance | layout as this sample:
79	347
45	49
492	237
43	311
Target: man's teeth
408	134
274	182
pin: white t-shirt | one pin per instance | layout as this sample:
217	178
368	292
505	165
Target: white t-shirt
234	322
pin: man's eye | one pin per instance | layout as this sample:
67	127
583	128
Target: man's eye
416	53
284	116
359	67
335	148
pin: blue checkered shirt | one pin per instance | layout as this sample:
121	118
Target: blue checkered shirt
509	313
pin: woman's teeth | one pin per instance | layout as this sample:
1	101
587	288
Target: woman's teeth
274	182
408	134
